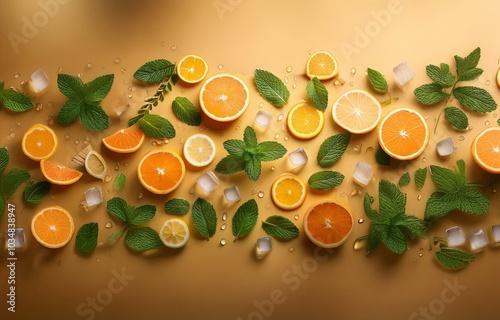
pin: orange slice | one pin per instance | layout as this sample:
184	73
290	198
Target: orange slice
288	191
53	227
192	68
322	65
304	121
126	140
58	174
39	142
224	97
328	224
161	171
403	133
357	111
485	149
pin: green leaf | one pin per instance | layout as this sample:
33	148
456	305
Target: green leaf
119	208
119	183
430	93
86	238
457	118
177	206
143	239
204	218
392	201
245	218
377	232
2	207
4	159
461	166
441	75
454	258
157	127
471	200
97	89
2	85
469	62
249	137
235	147
404	180
36	190
280	227
16	101
370	212
253	167
72	87
93	117
420	176
230	164
317	93
382	157
186	111
395	240
271	88
498	122
134	119
12	180
69	112
332	149
114	237
325	180
447	180
377	80
140	215
474	98
155	71
437	206
270	150
471	74
413	226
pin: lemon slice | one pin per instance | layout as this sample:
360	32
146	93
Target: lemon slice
357	111
174	233
199	150
95	165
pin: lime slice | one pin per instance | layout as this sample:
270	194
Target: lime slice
95	165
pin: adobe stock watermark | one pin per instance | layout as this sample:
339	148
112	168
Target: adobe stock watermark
32	25
436	307
104	297
224	6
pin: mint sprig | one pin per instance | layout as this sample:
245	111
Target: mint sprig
325	180
317	93
36	191
10	181
280	227
155	71
177	206
454	259
186	111
86	237
14	100
245	219
204	218
271	88
332	149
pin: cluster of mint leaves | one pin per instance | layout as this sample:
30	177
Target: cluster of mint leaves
9	181
14	100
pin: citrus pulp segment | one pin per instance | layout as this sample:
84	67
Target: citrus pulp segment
39	142
59	174
304	121
126	140
161	171
53	227
357	111
322	65
485	149
288	191
192	68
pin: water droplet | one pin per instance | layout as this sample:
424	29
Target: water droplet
220	67
108	225
276	136
117	60
17	75
254	191
12	135
191	191
224	216
89	65
296	217
294	85
419	197
50	104
261	194
494	190
361	220
107	178
97	260
60	262
494	115
140	195
354	192
237	127
223	226
286	79
130	88
166	141
50	120
357	148
420	255
223	242
487	82
173	47
360	243
181	140
486	123
461	138
154	143
268	205
77	142
67	136
369	149
351	84
39	106
59	69
273	168
289	69
79	75
338	82
291	249
123	71
309	53
261	105
162	43
353	71
19	124
24	82
286	138
130	96
424	159
280	117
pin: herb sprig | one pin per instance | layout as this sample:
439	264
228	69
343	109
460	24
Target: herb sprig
14	100
10	181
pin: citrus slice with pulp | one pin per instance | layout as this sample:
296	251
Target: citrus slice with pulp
199	150
52	227
59	174
485	149
357	111
161	171
192	68
174	233
305	121
288	191
126	140
39	142
322	65
95	165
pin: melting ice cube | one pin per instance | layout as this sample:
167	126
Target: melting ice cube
495	234
264	245
208	182
263	119
297	158
478	240
362	173
232	194
456	236
446	147
39	80
403	73
93	196
16	239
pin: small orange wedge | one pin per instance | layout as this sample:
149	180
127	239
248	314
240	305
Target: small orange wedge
126	140
58	174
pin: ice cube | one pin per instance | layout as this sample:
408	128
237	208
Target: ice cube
207	182
16	239
362	173
403	73
263	119
93	196
232	194
495	234
446	147
297	158
39	80
455	236
119	109
264	246
478	240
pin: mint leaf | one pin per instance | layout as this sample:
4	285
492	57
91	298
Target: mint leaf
155	71
157	127
36	190
177	206
114	237
186	111
119	183
325	180
454	259
412	226
471	200
382	157
4	159
2	207
118	208
404	180
430	93
447	180
280	227
12	180
317	93
457	118
15	101
86	237
97	89
271	88
468	63
69	112
461	166
392	202
471	74
441	75
93	117
204	217
420	176
253	168
245	218
249	137
332	149
143	239
394	240
474	98
72	87
139	215
498	122
437	206
270	150
235	147
2	85
230	164
377	80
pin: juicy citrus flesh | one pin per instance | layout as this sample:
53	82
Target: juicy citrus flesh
53	227
288	192
304	121
161	171
199	150
485	149
328	224
59	174
174	233
192	68
126	140
322	65
224	97
39	142
357	111
403	134
95	165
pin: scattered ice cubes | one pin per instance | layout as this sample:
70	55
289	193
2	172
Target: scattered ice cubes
403	73
297	158
446	147
263	119
39	80
495	234
264	246
207	182
16	239
478	240
232	194
93	196
455	236
362	173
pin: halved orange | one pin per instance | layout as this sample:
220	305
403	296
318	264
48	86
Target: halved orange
39	142
192	68
161	171
224	97
357	111
322	65
305	121
53	227
59	174
126	140
288	191
328	223
485	149
403	133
